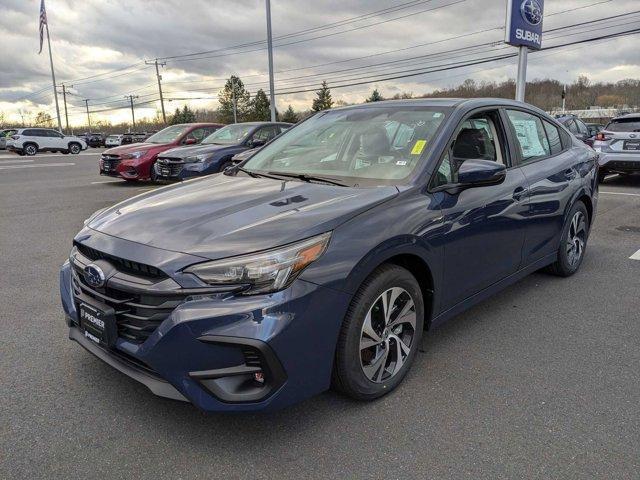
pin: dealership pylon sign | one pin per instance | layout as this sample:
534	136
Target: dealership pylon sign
524	23
523	29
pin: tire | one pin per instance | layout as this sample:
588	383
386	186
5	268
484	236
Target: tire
152	173
573	242
30	149
225	165
75	148
366	360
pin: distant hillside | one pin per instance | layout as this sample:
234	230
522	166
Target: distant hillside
547	94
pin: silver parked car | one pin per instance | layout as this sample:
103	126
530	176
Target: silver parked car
4	134
619	146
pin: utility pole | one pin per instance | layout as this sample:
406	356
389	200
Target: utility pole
521	83
86	104
133	114
64	99
162	64
270	48
233	99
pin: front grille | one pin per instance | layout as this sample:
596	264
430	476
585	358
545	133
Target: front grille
122	264
110	161
251	356
141	303
173	165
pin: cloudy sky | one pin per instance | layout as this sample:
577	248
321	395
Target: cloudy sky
100	47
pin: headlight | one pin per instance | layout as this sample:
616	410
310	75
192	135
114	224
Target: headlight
94	215
196	158
265	272
128	156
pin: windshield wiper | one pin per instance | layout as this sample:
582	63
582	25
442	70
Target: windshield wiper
253	174
310	178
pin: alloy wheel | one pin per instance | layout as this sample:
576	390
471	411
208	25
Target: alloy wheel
387	334
576	238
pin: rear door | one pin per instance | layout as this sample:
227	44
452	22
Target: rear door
551	165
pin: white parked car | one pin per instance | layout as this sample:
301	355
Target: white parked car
113	141
29	141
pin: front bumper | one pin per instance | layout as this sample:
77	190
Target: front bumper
207	350
173	170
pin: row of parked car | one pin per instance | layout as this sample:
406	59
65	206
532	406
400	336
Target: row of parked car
96	140
188	150
618	142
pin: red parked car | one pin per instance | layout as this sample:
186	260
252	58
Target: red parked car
135	161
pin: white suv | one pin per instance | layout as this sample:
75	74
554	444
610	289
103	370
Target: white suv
29	141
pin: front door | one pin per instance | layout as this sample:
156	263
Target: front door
483	227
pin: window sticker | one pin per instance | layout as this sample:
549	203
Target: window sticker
402	163
527	133
418	147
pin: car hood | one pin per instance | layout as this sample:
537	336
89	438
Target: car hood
222	216
134	147
192	150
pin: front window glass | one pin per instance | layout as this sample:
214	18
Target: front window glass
169	134
229	135
622	125
380	145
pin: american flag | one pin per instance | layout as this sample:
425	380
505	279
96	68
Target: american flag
43	22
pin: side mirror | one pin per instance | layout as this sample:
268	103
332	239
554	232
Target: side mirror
479	173
256	143
190	141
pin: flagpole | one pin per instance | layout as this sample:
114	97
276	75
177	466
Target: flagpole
53	79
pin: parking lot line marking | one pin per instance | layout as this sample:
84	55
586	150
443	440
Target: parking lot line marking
621	193
38	165
3	161
635	256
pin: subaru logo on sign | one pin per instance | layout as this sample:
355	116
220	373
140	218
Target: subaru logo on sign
94	276
531	12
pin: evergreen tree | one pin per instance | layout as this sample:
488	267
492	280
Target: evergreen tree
185	115
290	116
323	100
225	97
260	104
374	97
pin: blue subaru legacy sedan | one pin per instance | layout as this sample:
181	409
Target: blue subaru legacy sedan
322	259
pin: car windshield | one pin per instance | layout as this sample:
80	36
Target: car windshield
229	135
169	134
362	146
624	125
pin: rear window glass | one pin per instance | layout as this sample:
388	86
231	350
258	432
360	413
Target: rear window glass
623	125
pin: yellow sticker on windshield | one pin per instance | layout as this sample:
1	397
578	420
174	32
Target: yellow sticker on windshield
418	147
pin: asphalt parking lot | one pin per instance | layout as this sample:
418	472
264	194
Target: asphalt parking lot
542	381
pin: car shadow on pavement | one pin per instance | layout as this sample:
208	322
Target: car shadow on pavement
632	180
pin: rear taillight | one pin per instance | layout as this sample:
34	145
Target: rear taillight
602	137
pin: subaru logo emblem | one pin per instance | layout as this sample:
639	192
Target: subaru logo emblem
94	276
531	12
632	135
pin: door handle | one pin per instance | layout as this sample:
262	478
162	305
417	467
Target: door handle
518	193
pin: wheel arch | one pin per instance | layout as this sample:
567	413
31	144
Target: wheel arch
408	252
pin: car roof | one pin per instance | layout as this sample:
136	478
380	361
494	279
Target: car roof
465	103
627	116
